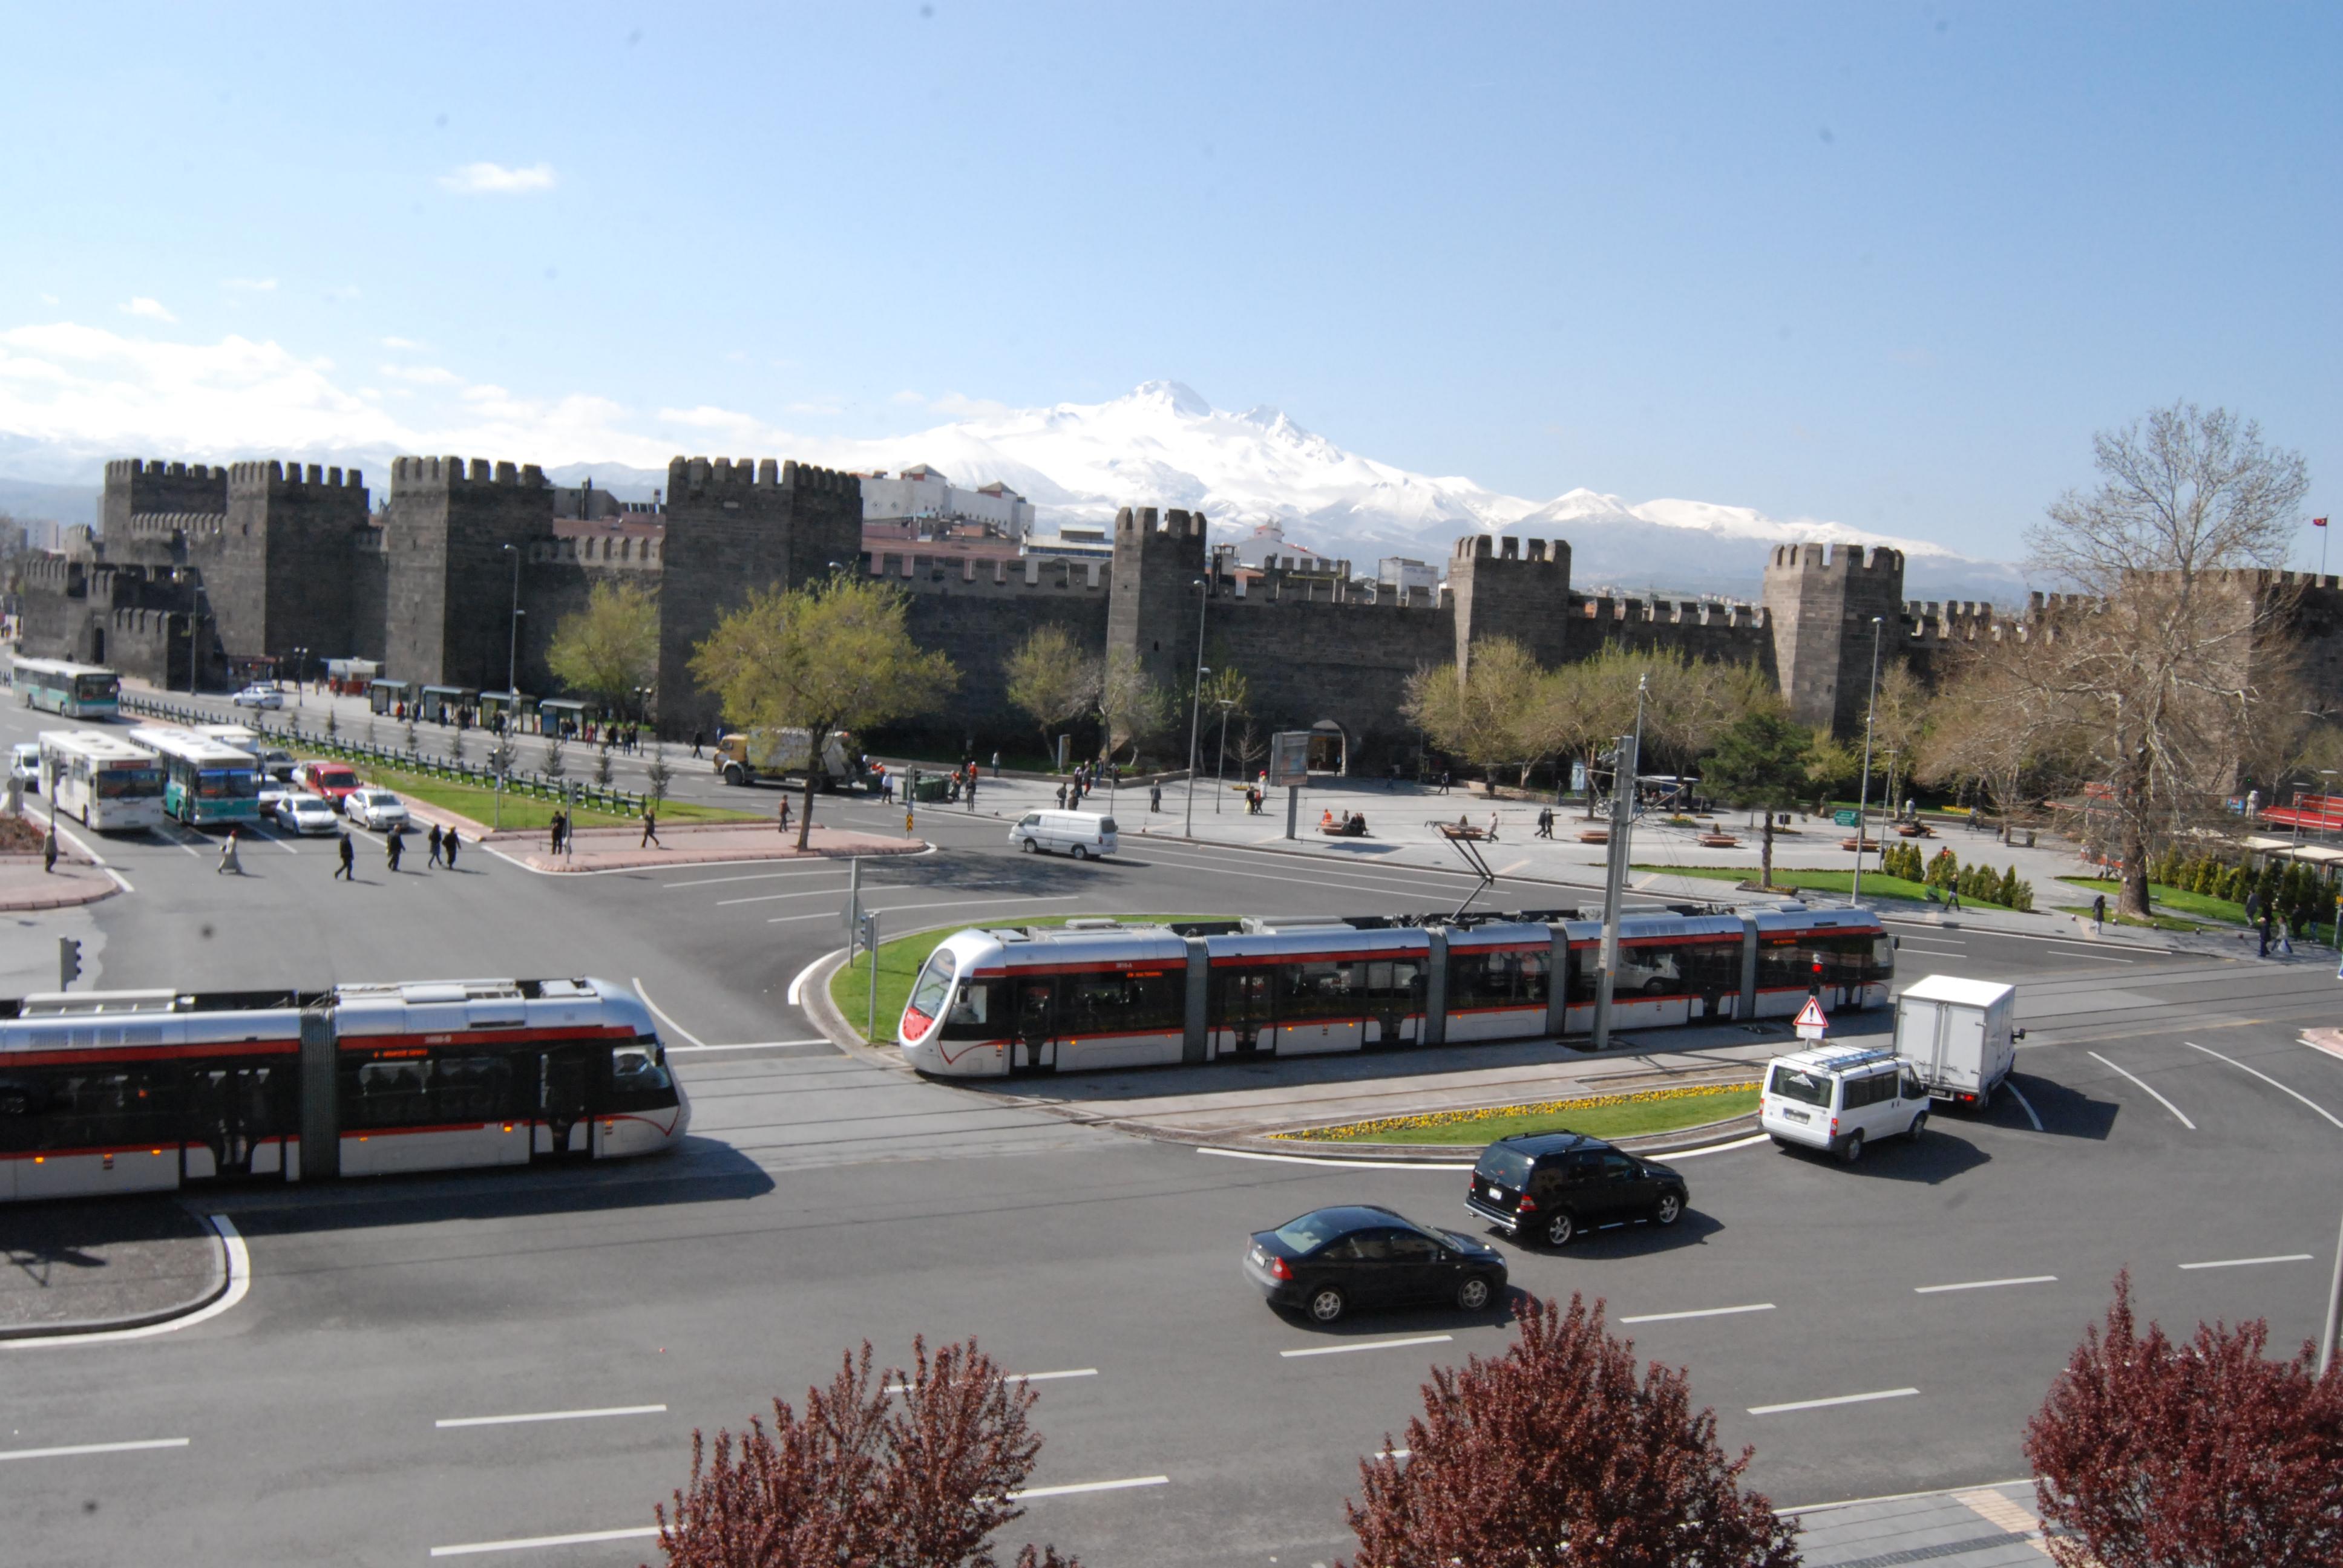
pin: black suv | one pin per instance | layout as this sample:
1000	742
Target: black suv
1555	1185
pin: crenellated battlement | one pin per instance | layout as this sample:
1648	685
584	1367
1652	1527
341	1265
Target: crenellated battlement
687	475
1486	547
1601	608
274	476
1838	561
453	474
1005	579
123	471
168	526
620	552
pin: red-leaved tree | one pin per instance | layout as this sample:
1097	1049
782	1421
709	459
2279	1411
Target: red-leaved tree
2153	1454
884	1470
1556	1452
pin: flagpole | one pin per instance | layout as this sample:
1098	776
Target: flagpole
2320	524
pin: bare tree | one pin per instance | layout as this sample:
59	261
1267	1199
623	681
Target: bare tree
2143	693
1132	704
1051	681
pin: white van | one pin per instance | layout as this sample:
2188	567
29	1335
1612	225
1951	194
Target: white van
1840	1098
1958	1037
1081	834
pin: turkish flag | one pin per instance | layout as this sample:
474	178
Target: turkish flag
2319	522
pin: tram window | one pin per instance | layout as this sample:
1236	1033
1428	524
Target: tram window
17	1128
934	983
638	1079
419	1091
975	1012
1582	962
1242	996
1497	979
1649	968
1315	990
1712	967
1121	1003
81	1109
256	1101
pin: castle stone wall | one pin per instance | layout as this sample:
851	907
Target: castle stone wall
449	602
1821	600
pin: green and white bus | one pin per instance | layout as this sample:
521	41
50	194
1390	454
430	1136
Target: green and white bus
205	780
76	690
95	775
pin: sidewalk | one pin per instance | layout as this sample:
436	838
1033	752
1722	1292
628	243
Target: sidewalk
1961	1527
99	1263
621	848
23	886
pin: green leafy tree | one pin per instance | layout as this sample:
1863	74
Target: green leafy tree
1761	763
609	649
1052	680
1133	705
832	656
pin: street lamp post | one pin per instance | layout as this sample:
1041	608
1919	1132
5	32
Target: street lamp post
1863	793
512	638
1626	765
1220	765
1196	698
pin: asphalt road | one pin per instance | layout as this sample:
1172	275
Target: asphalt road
821	1200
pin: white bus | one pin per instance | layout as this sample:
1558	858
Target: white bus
76	690
204	781
97	776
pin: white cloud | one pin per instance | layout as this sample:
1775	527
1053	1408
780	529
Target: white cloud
494	179
707	416
424	374
150	308
961	407
819	405
250	285
919	398
400	343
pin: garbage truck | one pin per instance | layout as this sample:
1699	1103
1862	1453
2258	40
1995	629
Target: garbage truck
757	756
1958	1037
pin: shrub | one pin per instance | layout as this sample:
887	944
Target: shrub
1555	1453
922	1480
2152	1455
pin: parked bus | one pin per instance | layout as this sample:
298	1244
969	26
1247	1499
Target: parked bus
97	776
76	690
1100	994
204	781
126	1091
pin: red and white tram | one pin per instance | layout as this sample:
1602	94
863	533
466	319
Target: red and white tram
1100	994
138	1091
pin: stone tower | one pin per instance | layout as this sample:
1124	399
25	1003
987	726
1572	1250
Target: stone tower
136	488
1511	587
283	576
1821	599
449	590
1154	600
733	528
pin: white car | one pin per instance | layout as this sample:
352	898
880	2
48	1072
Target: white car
377	808
275	792
1081	834
305	813
259	694
25	765
1840	1098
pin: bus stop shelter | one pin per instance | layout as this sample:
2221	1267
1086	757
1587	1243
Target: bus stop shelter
384	696
441	703
513	707
563	715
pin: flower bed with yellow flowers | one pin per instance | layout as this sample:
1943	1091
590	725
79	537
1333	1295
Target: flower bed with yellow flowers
1596	1115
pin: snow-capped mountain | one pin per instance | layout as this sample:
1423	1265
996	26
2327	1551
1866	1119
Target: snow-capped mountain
1162	445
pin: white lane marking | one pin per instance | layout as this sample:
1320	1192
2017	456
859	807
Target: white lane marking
955	903
70	1450
745	1045
776	898
1049	1376
2102	958
2152	1094
525	1543
2265	1077
797	986
2251	1263
240	1282
1312	1160
552	1415
1834	1399
829	871
2023	1104
1715	1148
1122	1486
1932	952
636	980
1392	1453
1369	1345
1986	1284
1701	1312
785	920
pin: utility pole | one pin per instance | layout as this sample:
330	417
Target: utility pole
512	638
1196	698
1627	764
2334	1312
1863	792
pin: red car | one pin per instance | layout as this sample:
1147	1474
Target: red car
334	781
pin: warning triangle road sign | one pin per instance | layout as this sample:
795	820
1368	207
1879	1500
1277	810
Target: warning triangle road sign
1810	1016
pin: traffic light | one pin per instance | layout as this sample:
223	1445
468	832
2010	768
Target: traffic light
69	962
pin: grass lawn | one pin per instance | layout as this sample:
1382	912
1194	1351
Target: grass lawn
2153	923
523	810
900	962
2167	904
1602	1116
1875	883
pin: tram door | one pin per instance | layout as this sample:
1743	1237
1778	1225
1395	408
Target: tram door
1247	1012
564	1078
1037	1026
226	1113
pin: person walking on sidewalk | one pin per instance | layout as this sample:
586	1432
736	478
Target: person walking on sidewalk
348	870
451	841
49	852
2099	913
2263	926
434	842
394	847
650	828
785	814
696	735
230	861
1154	799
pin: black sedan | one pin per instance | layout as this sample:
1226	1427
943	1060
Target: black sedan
1332	1260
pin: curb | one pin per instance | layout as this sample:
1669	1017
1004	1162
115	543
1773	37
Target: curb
1650	1143
26	906
213	1289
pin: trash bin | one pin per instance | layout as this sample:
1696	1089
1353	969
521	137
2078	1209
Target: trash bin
932	787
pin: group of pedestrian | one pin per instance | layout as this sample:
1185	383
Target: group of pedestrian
444	843
1545	822
557	830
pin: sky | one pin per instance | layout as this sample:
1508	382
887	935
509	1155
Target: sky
1887	264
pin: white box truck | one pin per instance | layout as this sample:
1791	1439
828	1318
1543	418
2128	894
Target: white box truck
1957	1036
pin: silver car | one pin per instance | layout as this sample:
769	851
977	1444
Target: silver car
259	694
307	813
376	808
